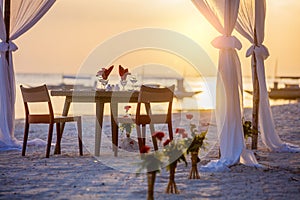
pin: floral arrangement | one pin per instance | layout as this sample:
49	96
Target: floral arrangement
126	127
152	163
247	129
123	72
173	151
193	146
104	73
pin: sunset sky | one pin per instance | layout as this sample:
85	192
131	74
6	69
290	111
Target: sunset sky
72	29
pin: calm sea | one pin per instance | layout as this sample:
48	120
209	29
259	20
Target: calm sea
203	100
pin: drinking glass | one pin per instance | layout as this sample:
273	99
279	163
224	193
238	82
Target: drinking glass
123	82
103	82
133	81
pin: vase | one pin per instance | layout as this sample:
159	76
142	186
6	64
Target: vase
194	174
151	180
172	188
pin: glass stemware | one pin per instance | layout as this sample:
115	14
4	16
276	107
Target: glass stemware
103	82
123	82
133	81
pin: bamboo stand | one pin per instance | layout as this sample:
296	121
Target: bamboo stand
172	188
194	174
151	180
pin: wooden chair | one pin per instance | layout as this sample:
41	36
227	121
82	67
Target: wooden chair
150	96
40	94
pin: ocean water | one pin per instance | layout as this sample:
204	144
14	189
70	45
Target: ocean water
203	100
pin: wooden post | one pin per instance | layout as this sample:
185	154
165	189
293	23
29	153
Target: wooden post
7	23
255	112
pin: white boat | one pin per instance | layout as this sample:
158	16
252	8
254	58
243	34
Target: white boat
289	91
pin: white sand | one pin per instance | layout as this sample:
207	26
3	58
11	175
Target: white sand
69	176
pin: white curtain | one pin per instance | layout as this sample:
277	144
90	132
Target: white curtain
24	15
222	14
252	16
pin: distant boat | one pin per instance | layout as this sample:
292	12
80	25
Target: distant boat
66	86
181	93
289	91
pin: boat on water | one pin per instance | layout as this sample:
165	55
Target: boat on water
181	92
290	91
68	86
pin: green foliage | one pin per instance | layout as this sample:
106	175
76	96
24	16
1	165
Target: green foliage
195	143
126	127
193	129
247	128
174	152
151	162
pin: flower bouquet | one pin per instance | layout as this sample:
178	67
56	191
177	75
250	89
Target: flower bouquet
174	151
128	143
152	164
193	146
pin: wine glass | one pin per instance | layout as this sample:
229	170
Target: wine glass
123	82
103	81
133	81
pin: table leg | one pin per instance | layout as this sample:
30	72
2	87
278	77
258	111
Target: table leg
114	127
99	123
64	113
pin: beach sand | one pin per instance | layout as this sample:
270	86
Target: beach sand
69	176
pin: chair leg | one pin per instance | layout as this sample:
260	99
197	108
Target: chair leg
170	131
152	130
57	149
144	134
79	127
139	135
49	140
26	130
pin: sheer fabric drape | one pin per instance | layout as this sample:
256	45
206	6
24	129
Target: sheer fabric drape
252	16
24	15
222	14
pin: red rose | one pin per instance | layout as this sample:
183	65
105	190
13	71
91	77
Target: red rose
184	135
180	130
189	116
145	149
166	142
159	135
127	108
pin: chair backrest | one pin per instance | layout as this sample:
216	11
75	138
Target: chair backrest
37	94
149	95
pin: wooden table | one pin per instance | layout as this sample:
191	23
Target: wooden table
100	97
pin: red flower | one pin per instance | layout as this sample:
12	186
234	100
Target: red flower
127	108
180	130
123	72
189	116
184	135
145	149
166	142
159	135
